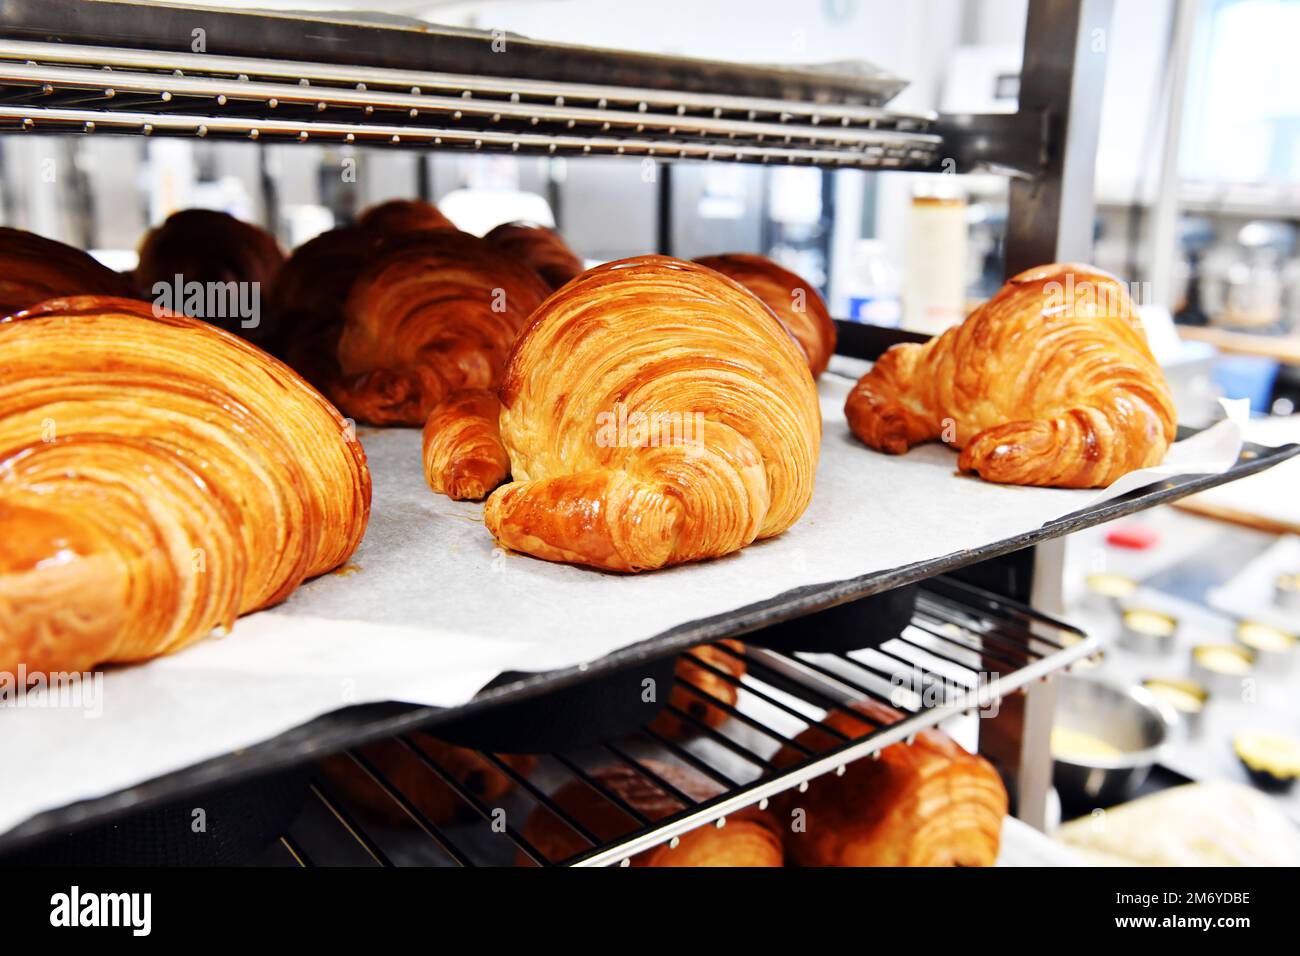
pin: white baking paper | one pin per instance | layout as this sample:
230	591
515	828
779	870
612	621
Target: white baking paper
429	610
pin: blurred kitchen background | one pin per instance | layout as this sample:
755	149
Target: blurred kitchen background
1197	186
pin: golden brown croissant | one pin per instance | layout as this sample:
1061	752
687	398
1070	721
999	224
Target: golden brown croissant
209	247
655	412
158	477
33	269
396	216
419	783
463	455
1050	382
690	676
430	313
539	247
929	803
795	302
748	839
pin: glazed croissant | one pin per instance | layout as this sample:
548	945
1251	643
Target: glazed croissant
693	676
1050	382
431	313
158	477
540	248
795	302
654	413
33	269
205	246
929	803
749	838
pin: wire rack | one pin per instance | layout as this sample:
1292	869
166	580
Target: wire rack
52	87
964	651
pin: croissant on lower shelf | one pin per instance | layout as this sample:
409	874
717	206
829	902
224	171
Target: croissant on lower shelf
1050	382
928	803
540	248
158	477
33	269
212	249
749	839
431	313
419	783
699	689
796	303
654	412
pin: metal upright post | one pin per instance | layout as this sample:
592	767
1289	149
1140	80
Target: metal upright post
1050	219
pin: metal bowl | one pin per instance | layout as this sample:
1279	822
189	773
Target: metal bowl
1129	719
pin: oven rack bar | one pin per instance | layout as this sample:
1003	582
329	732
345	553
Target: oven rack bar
779	696
56	88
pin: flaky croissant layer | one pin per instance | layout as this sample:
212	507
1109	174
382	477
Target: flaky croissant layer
158	477
1050	382
654	412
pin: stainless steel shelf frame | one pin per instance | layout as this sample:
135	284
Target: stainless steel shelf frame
106	66
962	654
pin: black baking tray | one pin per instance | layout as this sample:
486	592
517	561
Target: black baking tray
354	726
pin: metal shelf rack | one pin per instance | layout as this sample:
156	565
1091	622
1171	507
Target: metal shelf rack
961	654
107	66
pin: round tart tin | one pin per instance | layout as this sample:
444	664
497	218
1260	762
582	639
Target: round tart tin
1106	591
1147	632
1286	592
1273	648
1186	697
1221	668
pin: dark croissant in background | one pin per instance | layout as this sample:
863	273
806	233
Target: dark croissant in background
395	216
33	269
430	314
796	303
209	247
539	247
1050	382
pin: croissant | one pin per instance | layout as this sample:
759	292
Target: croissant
797	304
431	313
539	247
396	216
654	413
33	269
1050	382
693	677
749	839
929	803
212	249
307	300
158	477
463	455
420	784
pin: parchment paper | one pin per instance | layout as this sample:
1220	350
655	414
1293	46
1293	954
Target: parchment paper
429	610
